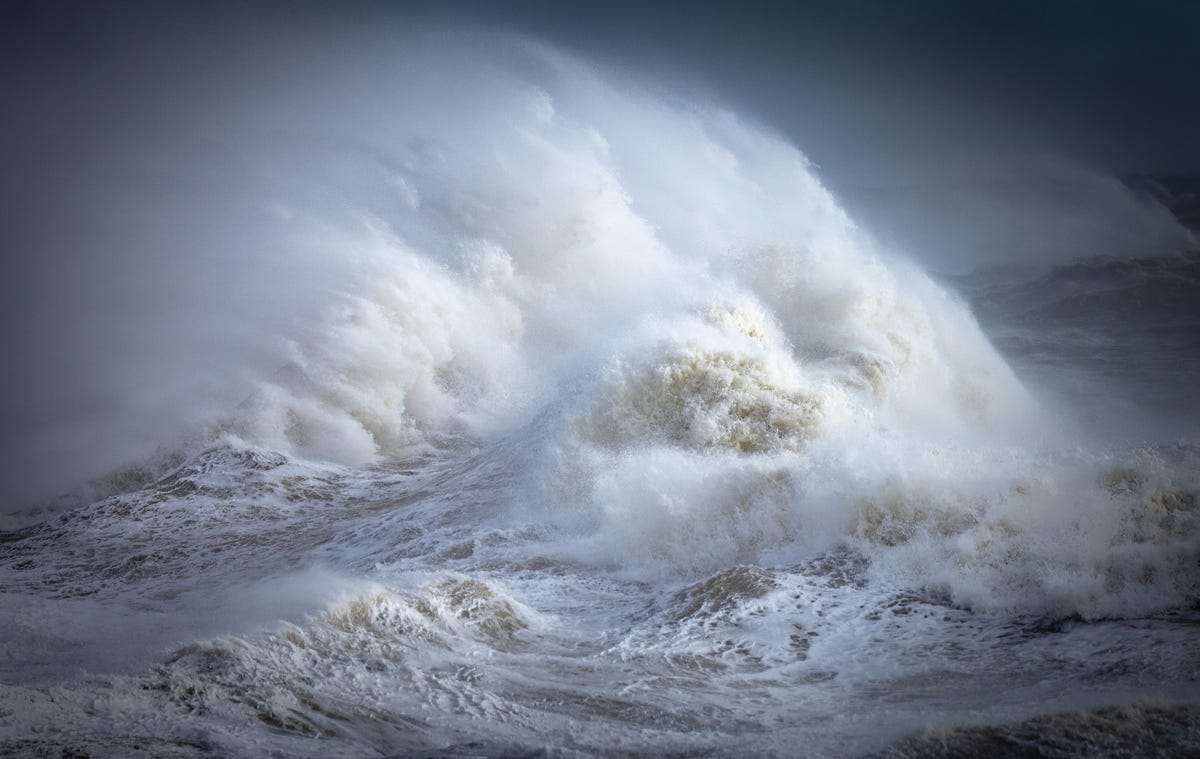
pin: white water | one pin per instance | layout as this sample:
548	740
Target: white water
619	435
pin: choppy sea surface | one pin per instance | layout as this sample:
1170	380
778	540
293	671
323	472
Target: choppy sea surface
632	442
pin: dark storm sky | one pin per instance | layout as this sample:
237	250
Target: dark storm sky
1113	84
852	81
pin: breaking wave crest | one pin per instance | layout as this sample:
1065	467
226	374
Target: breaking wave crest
620	419
707	361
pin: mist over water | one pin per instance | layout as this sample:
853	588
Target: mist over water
458	396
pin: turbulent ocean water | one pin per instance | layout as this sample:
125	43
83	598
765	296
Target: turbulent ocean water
622	438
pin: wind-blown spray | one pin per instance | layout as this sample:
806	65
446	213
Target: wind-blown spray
616	414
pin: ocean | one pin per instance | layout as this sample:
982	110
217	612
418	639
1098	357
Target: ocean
621	436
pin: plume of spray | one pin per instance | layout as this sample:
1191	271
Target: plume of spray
436	245
542	206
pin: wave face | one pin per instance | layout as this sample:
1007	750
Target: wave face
627	439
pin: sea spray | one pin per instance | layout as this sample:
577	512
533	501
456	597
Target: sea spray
620	435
